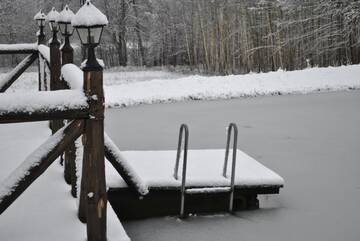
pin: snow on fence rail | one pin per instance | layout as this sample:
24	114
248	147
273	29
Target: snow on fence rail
123	167
61	104
37	163
45	52
14	74
18	48
73	76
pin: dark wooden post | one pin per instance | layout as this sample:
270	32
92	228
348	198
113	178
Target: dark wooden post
93	196
55	72
41	40
67	56
67	52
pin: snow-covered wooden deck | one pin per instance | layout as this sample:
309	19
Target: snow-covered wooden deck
205	167
204	177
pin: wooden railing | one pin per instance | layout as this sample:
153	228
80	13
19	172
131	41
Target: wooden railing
74	107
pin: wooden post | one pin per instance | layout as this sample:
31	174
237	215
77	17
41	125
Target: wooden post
67	56
93	196
41	40
55	72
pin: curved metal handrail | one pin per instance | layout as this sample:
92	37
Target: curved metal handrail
183	128
232	127
184	132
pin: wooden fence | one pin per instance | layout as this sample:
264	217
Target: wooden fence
72	113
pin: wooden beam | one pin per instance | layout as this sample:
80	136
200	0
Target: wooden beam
18	48
125	172
17	71
18	51
16	117
166	202
34	165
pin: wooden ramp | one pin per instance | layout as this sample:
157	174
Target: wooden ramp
206	189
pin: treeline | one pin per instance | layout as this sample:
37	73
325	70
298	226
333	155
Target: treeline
230	36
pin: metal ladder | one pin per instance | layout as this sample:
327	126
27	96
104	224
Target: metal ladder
184	133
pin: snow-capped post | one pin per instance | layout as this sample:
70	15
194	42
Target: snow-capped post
40	20
66	29
67	57
89	23
55	61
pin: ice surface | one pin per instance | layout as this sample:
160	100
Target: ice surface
311	140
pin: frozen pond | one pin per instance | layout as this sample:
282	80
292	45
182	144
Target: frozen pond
312	141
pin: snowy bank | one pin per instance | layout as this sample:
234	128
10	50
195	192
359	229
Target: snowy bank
234	86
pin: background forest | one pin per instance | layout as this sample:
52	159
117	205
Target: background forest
209	36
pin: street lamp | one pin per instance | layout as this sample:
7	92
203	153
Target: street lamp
64	21
89	23
40	18
52	17
66	29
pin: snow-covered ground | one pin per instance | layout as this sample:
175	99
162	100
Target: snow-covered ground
46	211
129	88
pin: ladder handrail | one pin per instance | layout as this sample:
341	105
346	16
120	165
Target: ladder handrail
184	130
232	127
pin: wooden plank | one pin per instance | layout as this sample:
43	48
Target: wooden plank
18	48
17	117
162	202
17	71
123	171
69	133
18	51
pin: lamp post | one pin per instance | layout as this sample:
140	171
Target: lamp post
40	20
89	23
67	57
55	61
66	29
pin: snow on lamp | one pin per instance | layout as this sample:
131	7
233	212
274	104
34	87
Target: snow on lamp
89	23
64	21
52	17
40	18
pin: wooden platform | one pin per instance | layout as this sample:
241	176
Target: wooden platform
204	171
